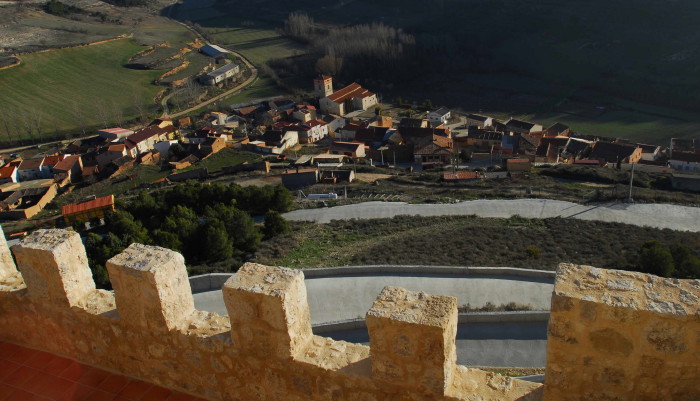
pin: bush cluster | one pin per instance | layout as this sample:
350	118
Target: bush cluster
208	224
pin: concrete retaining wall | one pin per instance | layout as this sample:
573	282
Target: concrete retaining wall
214	281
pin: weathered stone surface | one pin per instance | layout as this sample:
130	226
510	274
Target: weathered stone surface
7	264
611	341
413	326
54	266
151	287
610	338
268	310
623	336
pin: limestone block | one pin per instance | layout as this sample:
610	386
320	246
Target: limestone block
269	311
622	335
151	287
54	266
7	265
412	339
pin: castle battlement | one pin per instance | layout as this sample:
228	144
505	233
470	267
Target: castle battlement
609	331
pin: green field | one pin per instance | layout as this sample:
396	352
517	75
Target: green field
76	87
225	158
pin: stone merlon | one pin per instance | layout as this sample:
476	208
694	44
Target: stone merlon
612	335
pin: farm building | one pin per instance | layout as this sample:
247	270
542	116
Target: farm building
220	74
112	134
214	51
86	211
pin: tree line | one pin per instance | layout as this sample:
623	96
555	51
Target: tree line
210	225
367	51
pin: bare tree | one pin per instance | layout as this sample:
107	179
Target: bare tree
102	113
79	117
140	106
117	114
37	121
7	125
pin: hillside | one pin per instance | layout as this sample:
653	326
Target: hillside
615	69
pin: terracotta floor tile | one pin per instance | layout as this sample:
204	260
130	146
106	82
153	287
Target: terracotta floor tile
93	377
57	365
49	386
18	395
73	371
20	376
7	350
39	398
40	360
76	392
22	355
99	395
5	390
113	384
135	389
180	397
7	367
156	394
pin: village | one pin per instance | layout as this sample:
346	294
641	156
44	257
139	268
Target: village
323	140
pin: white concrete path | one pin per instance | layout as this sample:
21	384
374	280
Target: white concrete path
682	218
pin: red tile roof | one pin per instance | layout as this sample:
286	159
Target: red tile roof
53	160
7	171
351	91
31	163
460	175
27	374
116	148
67	163
73	208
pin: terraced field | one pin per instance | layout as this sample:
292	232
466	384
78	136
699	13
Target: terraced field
77	87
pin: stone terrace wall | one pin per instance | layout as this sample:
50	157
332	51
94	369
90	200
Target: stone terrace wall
265	350
616	335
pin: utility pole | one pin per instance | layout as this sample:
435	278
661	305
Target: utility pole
629	199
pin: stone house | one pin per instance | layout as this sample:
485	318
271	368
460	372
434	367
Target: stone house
143	140
299	178
522	127
350	149
685	162
281	140
113	152
71	167
479	121
220	74
9	173
30	169
439	117
49	163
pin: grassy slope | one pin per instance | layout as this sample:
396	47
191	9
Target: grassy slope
255	39
463	241
55	83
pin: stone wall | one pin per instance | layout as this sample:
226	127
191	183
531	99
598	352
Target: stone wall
616	335
149	329
613	335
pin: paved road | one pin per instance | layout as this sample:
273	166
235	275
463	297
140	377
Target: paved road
507	344
512	344
682	218
349	297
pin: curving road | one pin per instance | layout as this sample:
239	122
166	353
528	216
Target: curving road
674	217
519	342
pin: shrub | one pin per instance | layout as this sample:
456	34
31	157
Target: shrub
533	252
